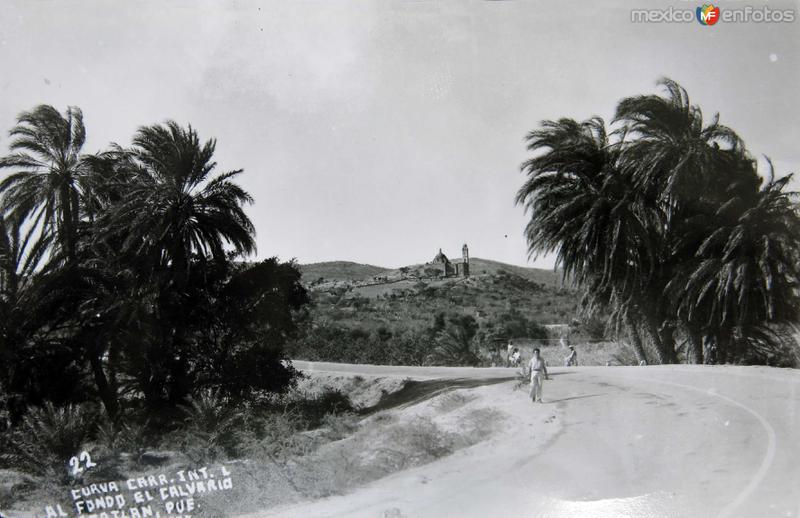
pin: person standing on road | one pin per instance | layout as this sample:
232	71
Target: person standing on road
509	352
538	371
572	359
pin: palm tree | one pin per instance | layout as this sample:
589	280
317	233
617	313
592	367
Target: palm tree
19	263
746	276
19	258
172	210
693	169
37	362
670	152
584	209
46	182
172	204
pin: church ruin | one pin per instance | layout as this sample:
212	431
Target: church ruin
450	269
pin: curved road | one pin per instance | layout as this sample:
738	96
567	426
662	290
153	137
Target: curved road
658	441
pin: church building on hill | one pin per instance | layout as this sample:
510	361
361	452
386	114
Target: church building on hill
450	269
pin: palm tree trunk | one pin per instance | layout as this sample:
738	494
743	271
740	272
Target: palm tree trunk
651	330
636	339
726	346
66	229
104	388
113	383
695	352
667	337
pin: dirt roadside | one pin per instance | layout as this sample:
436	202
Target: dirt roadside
654	441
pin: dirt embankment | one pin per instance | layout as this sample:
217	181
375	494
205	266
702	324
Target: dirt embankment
364	391
403	424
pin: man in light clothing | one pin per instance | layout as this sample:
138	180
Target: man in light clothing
572	359
538	371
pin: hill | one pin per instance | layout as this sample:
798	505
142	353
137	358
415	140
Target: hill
340	271
367	314
352	271
486	266
412	302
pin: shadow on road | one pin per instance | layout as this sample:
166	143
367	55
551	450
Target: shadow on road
560	373
418	391
573	397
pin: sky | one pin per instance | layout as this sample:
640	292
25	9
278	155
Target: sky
379	132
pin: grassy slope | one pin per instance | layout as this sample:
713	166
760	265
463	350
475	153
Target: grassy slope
340	270
547	277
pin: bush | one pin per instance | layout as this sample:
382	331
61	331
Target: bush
47	438
775	347
339	426
124	435
209	425
313	410
273	437
514	324
454	347
595	328
625	356
422	440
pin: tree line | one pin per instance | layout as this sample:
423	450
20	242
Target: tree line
122	273
663	219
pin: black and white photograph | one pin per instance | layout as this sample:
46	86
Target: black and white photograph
399	259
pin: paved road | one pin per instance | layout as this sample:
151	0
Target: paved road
631	441
399	371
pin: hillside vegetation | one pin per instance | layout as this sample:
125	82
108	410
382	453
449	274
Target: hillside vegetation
413	315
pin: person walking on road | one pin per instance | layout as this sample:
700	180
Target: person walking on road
538	372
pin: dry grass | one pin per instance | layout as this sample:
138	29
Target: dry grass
348	453
452	400
364	392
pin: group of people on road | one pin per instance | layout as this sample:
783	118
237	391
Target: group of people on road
513	356
537	366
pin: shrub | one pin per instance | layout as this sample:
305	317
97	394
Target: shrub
47	438
776	347
625	356
313	410
275	440
422	441
514	323
209	425
339	426
595	328
274	437
124	435
454	347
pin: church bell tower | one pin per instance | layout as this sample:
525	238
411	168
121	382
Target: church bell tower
465	260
